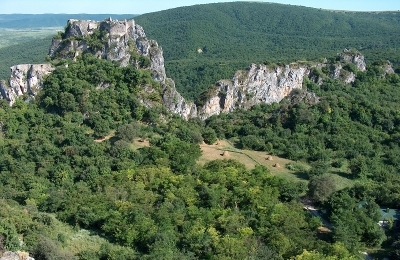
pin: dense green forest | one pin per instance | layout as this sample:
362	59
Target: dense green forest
24	53
73	185
205	43
356	126
154	202
59	164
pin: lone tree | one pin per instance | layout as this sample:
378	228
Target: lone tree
321	187
318	168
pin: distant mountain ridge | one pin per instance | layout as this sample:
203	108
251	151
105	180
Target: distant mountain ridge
204	43
25	21
235	20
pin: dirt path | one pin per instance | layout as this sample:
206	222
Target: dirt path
315	213
309	206
105	138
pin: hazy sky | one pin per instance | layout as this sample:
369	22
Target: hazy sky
146	6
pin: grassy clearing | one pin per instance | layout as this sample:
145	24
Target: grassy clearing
342	176
342	181
224	150
81	240
249	158
216	151
252	158
10	37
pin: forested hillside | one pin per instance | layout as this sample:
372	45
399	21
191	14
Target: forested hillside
355	127
29	52
69	172
205	43
75	185
68	156
69	161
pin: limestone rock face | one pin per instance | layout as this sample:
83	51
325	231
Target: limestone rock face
25	79
349	77
388	68
259	84
176	104
337	72
81	28
355	58
304	96
7	93
120	40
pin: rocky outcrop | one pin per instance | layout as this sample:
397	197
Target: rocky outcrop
303	96
121	41
388	68
356	58
337	72
263	84
25	79
176	104
126	43
259	84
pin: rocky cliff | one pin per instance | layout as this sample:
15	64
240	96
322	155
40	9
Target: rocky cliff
25	79
121	41
125	42
259	84
356	58
265	84
176	104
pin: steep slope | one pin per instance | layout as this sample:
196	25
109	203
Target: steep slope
266	84
205	43
123	42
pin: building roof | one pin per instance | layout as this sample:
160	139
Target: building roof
388	213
